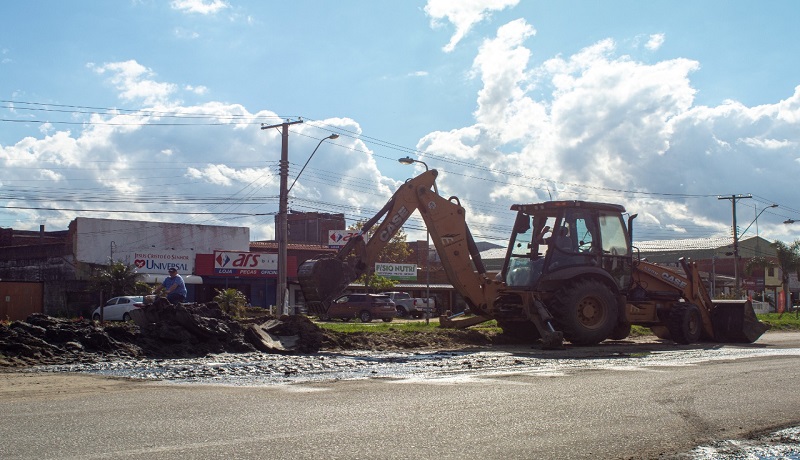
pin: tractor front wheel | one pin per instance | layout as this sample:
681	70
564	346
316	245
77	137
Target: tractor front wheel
685	323
586	311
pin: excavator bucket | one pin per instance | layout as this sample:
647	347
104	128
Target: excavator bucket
321	280
736	321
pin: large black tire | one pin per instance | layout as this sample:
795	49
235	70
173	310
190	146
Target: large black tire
96	317
685	323
387	320
586	311
126	317
401	312
365	316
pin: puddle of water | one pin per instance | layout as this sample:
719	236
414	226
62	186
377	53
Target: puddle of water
783	444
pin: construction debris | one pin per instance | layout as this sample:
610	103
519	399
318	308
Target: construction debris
160	330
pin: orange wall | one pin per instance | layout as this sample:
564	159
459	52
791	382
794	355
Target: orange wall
19	300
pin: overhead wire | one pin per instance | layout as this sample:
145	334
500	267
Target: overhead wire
332	178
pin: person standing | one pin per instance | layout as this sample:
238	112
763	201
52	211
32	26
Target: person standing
174	286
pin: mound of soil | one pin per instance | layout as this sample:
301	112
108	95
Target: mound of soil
165	331
161	331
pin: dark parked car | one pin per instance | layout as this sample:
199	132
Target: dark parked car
365	307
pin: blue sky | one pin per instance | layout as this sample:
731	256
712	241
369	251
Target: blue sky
659	106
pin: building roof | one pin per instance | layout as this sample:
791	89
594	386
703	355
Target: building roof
293	246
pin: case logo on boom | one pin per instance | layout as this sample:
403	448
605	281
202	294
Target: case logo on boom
669	278
673	280
394	223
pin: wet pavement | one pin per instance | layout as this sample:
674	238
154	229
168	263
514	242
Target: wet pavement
783	444
260	369
257	369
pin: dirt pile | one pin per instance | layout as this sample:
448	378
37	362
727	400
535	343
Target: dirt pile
161	330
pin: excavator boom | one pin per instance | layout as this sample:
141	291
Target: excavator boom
324	278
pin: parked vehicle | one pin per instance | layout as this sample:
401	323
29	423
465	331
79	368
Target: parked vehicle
415	307
119	308
365	307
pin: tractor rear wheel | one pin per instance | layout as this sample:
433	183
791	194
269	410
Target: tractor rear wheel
586	311
685	323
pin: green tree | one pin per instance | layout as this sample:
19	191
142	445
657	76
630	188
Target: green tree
396	251
232	301
376	282
117	279
788	261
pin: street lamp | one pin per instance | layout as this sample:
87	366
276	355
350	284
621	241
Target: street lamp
332	136
409	161
736	256
756	219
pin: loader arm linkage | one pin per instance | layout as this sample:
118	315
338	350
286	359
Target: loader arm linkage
722	321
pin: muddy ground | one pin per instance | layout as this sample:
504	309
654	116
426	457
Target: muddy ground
194	330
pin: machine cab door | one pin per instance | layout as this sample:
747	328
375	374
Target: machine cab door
616	247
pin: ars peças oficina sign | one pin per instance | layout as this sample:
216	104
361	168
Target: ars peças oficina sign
245	263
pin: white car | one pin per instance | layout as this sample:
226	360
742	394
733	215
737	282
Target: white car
118	308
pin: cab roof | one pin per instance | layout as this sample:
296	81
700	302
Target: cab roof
567	204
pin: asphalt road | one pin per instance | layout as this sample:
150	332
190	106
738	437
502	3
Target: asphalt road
585	412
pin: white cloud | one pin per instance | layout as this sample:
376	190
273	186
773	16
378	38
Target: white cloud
199	6
655	42
599	126
134	83
199	90
463	14
186	34
593	125
418	73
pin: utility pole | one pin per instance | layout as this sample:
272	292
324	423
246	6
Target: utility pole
282	227
734	199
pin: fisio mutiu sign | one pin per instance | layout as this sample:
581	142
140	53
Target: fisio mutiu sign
397	271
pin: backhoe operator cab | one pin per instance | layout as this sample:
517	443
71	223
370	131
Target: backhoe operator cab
558	240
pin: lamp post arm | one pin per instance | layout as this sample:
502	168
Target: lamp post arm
756	219
332	136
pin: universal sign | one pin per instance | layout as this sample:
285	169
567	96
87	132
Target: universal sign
397	271
159	262
245	263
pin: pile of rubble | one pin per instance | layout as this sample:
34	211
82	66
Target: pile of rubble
161	330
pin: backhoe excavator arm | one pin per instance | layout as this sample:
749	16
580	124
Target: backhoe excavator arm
324	278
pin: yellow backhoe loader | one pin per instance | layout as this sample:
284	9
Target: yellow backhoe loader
570	272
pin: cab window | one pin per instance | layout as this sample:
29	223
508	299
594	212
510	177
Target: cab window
615	238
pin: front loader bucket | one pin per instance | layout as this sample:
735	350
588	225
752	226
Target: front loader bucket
449	322
321	280
736	321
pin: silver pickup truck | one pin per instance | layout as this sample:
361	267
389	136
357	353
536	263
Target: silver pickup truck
408	306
